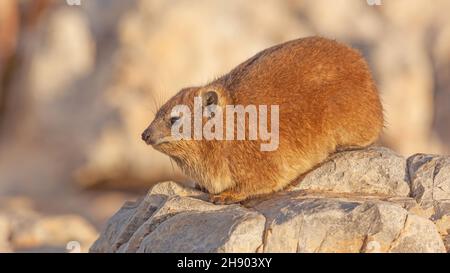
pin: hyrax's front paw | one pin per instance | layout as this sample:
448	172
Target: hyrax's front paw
225	198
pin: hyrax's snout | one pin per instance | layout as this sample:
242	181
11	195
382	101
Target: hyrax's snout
148	136
155	133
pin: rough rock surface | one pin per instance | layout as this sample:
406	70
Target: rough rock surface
376	171
357	201
430	186
430	179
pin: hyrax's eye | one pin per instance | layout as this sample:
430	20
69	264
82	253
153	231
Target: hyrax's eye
173	120
210	98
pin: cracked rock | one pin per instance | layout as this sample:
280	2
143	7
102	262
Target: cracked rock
358	201
171	222
430	179
374	171
430	186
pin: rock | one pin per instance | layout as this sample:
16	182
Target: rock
430	186
447	243
430	179
442	220
410	204
306	224
145	226
332	212
287	222
375	171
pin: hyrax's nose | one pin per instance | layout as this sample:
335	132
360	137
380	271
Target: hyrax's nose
146	136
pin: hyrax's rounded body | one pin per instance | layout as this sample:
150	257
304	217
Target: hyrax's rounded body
327	101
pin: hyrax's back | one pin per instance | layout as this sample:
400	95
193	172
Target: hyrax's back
327	100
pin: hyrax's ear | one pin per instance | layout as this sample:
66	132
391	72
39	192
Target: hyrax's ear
210	97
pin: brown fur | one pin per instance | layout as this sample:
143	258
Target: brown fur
327	101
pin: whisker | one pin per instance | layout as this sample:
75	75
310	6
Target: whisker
155	103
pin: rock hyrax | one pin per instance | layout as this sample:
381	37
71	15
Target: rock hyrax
327	101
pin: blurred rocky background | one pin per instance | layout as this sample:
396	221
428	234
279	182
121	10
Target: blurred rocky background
78	84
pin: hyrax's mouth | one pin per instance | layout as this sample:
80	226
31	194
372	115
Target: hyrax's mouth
154	139
156	143
163	140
